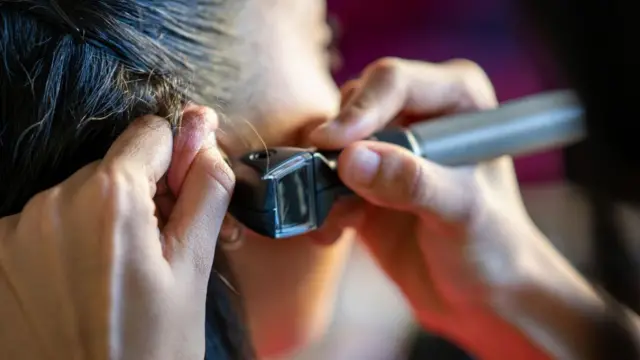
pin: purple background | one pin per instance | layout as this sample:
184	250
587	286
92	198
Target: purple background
485	31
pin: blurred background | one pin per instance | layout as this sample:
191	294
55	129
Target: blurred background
371	320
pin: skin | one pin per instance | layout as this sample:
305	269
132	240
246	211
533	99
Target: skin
289	305
457	241
123	294
444	260
444	230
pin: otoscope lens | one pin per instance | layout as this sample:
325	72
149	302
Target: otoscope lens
293	199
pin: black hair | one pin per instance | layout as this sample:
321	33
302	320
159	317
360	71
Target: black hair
593	40
75	73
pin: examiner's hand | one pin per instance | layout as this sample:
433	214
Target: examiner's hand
113	263
455	240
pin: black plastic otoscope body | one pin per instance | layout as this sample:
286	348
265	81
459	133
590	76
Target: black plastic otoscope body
284	192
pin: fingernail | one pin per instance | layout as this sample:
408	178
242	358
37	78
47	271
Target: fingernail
364	165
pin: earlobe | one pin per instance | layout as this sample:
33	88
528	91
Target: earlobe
232	234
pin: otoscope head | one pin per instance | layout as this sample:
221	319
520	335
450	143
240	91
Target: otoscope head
284	192
275	192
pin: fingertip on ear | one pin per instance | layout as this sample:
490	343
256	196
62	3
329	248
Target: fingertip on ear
196	131
201	116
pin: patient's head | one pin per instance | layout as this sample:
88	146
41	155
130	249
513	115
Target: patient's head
74	73
284	91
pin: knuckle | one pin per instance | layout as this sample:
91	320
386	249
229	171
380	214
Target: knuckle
407	179
111	186
418	189
387	71
110	180
381	81
465	65
37	202
386	64
349	87
41	203
350	84
221	173
473	87
41	211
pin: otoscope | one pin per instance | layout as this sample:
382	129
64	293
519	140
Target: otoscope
285	191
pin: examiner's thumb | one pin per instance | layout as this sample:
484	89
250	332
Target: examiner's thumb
389	176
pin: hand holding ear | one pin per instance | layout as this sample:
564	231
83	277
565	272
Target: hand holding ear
93	269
